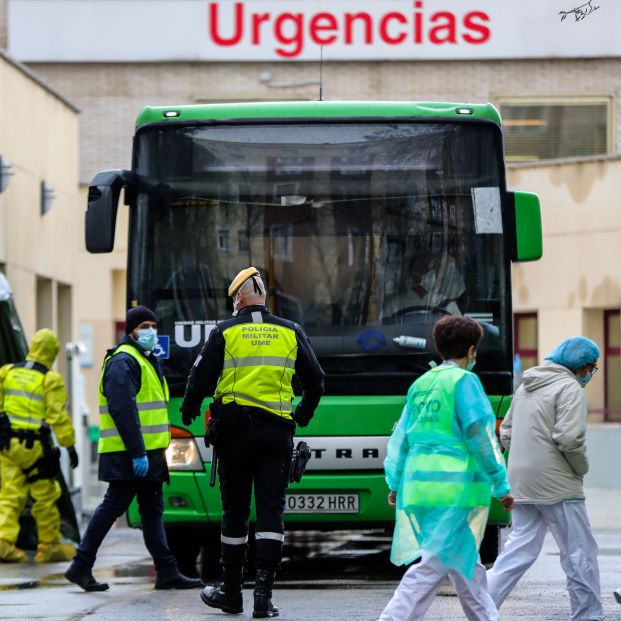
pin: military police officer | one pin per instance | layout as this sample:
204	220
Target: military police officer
248	364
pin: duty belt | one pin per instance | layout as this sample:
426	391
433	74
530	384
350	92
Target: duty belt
28	436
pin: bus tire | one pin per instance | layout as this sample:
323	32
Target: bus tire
490	546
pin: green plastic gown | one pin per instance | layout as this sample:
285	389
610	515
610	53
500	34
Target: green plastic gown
444	462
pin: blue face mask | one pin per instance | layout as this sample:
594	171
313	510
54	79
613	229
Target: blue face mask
586	379
147	338
470	365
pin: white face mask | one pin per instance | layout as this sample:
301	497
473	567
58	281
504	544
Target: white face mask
235	305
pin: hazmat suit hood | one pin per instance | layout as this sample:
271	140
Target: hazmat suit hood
44	348
544	375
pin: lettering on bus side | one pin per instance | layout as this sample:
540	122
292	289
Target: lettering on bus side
192	333
332	452
346	453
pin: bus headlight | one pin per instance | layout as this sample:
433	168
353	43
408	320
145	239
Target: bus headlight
182	454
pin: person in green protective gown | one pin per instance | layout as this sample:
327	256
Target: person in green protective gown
442	466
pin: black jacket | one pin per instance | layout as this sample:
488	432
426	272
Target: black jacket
121	383
206	371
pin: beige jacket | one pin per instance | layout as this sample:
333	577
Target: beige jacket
545	431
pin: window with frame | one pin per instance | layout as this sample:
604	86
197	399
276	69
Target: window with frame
223	240
282	242
243	240
550	129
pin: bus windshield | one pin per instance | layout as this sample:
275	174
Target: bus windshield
365	233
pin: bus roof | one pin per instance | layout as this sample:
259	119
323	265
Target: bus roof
317	110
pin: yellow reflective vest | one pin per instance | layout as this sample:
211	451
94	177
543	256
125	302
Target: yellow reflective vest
259	363
151	402
24	396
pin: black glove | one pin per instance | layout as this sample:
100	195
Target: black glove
211	435
188	416
301	419
73	457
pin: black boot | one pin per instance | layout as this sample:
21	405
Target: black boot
228	596
84	579
168	579
263	606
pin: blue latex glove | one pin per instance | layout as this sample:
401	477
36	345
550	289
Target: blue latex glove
140	466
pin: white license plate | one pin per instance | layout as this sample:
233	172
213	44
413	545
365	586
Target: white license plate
322	503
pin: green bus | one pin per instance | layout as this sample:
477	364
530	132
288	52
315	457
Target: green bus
368	222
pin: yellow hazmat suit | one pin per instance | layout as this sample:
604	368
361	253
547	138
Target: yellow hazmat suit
32	398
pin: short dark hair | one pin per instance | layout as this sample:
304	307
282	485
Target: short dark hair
454	335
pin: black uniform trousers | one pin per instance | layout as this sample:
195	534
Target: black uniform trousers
114	504
252	451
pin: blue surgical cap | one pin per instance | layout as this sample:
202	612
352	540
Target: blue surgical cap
575	352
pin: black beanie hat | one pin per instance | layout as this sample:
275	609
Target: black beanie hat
135	316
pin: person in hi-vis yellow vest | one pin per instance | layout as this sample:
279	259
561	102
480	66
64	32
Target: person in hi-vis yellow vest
247	365
32	402
133	438
443	464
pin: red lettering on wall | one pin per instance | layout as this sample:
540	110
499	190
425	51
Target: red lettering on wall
418	22
383	28
349	27
325	22
483	31
257	20
238	25
296	20
286	34
448	26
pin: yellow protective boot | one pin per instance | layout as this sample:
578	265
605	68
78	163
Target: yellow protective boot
54	552
10	553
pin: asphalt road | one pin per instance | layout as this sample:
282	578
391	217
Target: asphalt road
334	576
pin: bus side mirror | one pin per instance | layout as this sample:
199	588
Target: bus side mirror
528	235
103	202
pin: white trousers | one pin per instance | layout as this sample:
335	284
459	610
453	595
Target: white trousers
569	524
421	582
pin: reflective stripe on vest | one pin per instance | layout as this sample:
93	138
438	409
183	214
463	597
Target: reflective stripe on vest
440	471
151	403
24	398
259	363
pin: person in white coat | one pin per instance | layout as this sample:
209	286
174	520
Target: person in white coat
545	430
